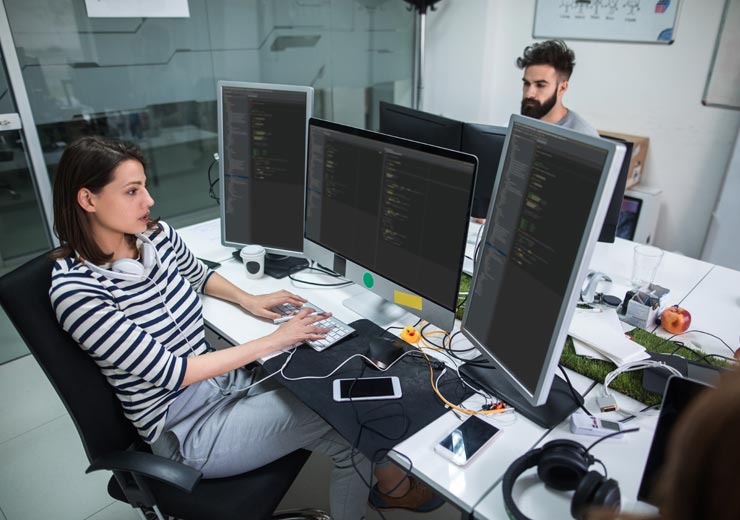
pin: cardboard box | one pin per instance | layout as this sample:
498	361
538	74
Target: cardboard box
639	153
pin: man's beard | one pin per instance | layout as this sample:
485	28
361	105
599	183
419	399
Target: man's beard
537	110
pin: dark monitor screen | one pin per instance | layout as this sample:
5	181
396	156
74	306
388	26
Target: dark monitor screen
420	126
536	246
393	207
628	217
262	145
487	144
679	393
611	221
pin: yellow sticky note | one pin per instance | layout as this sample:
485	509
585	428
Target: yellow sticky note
407	300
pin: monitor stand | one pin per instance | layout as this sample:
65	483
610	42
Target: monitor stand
280	266
378	310
560	403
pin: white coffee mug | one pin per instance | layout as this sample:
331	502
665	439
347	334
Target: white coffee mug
253	257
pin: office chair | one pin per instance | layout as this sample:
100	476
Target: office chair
144	480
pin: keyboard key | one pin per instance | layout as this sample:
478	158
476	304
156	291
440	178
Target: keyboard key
339	329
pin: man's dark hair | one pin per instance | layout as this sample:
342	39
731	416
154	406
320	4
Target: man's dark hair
552	52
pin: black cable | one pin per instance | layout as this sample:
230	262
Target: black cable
471	385
573	391
322	269
700	332
705	356
459	305
605	437
340	284
679	346
211	183
381	453
606	473
449	348
682	346
432	343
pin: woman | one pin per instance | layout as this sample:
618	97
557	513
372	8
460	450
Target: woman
124	287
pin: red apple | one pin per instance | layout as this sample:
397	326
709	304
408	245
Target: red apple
675	319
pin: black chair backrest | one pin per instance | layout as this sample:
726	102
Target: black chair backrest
89	399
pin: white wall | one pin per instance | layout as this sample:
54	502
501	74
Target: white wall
645	89
722	246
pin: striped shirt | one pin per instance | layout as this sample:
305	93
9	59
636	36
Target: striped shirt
124	326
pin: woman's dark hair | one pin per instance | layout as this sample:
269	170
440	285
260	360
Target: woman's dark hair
552	52
89	162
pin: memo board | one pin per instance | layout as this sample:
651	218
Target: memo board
646	21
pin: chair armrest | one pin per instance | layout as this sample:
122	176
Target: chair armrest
149	465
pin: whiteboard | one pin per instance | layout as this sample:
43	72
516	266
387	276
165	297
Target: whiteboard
649	21
723	81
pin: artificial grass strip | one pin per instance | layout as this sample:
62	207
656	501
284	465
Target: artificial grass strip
630	383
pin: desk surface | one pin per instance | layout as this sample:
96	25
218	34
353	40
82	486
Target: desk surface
709	292
715	307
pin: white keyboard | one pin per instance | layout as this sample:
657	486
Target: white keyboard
339	329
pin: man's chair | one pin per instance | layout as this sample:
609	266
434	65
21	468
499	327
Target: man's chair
144	480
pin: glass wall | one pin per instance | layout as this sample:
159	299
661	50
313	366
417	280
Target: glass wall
22	224
153	80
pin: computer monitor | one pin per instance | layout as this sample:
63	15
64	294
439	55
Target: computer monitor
392	216
611	220
538	239
486	143
420	126
262	150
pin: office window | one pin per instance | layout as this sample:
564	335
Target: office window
153	80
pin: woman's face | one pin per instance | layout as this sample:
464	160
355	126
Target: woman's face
122	206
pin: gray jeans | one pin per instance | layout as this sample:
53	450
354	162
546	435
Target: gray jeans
225	433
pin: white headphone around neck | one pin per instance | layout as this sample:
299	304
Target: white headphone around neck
129	269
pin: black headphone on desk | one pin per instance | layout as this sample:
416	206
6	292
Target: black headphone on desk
563	465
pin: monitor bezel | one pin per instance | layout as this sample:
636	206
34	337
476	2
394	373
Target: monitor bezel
309	91
440	314
613	163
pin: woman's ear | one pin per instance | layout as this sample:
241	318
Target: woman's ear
85	200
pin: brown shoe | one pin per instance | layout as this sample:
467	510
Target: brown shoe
419	498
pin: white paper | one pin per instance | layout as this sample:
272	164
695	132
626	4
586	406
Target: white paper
603	332
583	349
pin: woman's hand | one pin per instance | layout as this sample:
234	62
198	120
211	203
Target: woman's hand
261	304
299	329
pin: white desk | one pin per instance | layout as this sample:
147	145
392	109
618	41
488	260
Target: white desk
476	488
237	326
715	307
714	303
624	459
676	272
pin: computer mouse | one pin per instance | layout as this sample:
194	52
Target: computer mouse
382	352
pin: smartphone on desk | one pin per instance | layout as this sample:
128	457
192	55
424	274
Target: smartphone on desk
466	441
367	388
